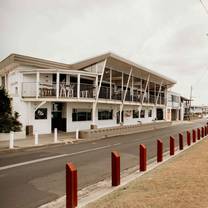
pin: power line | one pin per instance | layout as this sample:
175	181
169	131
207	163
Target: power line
202	3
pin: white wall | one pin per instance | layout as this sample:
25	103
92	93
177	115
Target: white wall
73	125
42	126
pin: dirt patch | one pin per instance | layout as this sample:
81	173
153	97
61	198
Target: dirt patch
181	182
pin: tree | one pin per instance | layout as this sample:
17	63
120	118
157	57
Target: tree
8	122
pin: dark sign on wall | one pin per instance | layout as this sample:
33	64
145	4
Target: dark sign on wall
41	113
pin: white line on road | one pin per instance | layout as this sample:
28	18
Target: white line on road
55	157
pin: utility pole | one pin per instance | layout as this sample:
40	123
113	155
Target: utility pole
190	102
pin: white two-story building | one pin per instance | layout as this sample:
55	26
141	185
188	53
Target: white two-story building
103	91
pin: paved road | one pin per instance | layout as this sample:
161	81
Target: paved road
26	184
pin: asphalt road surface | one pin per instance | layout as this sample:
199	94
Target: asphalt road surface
34	177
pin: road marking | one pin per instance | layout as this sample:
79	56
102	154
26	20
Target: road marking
55	157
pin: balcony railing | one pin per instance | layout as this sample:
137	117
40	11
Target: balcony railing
49	90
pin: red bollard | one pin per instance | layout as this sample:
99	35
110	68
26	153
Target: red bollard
205	130
115	168
198	133
194	135
188	138
202	130
71	185
143	157
172	146
180	141
159	150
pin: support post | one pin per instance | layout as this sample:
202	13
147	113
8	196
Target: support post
57	84
198	134
159	92
202	130
180	141
110	84
78	85
188	134
143	157
11	140
55	135
159	150
36	138
77	134
115	168
37	83
71	185
172	146
93	113
193	135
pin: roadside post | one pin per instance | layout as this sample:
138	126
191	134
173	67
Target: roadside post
193	135
115	168
36	138
11	140
198	133
143	157
202	130
55	135
172	146
188	134
180	141
159	150
77	134
71	185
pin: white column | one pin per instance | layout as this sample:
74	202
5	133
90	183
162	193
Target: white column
110	84
77	134
94	113
36	138
132	90
120	114
55	136
11	140
78	85
57	85
122	84
37	83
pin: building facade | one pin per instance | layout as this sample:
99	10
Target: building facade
103	91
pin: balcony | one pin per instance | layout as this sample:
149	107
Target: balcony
86	91
43	90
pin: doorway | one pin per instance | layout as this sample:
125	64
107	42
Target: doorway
58	119
159	114
118	117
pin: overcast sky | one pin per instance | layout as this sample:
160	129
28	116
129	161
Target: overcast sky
168	36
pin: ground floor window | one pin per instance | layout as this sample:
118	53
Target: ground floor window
105	114
135	114
142	114
81	115
150	113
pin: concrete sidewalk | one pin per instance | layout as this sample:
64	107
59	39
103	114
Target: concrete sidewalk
44	140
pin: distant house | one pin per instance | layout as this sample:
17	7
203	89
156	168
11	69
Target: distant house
199	110
103	91
177	107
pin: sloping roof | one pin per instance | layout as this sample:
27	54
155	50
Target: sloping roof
91	61
43	63
32	61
